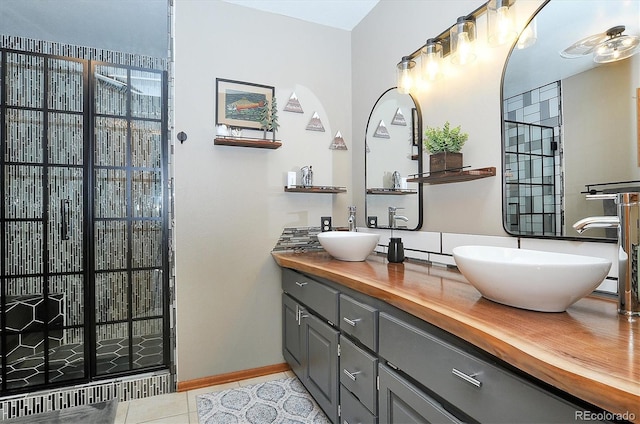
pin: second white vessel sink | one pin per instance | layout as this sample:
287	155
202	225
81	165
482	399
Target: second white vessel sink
530	279
349	246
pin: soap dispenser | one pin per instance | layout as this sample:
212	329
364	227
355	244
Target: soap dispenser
395	252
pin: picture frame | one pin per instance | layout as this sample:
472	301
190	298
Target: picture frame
238	103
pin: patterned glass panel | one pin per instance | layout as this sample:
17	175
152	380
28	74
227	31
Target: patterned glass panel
25	360
146	94
66	139
147	293
146	144
23	137
110	142
112	348
66	224
23	197
146	194
111	91
25	80
111	296
147	343
23	244
111	245
110	193
71	287
65	90
146	244
66	361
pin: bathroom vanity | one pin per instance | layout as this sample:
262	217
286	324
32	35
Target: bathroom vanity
380	342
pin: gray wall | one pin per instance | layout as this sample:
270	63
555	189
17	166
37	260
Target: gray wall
130	26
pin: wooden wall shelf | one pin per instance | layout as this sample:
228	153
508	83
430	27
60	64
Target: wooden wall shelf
446	177
315	189
390	191
258	143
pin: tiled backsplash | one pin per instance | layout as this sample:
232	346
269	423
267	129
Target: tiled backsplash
437	247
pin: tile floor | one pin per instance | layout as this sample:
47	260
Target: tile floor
177	408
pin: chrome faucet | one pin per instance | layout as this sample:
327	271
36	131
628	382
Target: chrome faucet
352	219
628	205
393	217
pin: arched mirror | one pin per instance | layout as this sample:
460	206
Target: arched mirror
570	124
392	154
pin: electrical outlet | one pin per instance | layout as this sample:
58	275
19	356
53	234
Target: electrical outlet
325	223
372	221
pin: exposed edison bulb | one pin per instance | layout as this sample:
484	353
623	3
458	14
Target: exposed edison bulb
404	75
502	28
430	60
463	36
464	53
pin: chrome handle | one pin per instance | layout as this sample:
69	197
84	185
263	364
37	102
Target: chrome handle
301	284
351	322
466	377
351	375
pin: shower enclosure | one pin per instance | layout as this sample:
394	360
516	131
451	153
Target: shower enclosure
83	221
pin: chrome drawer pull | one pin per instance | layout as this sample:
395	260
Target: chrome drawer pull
351	322
301	284
467	378
351	375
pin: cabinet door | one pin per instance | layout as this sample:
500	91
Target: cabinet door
401	402
292	335
320	343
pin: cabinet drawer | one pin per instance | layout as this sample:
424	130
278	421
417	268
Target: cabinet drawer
313	294
360	321
478	388
402	402
358	372
352	411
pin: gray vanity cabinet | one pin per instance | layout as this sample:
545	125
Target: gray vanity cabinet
481	389
365	361
310	342
402	402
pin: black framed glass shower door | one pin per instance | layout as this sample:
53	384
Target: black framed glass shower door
83	225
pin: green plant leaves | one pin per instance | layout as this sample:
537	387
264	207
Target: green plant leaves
444	139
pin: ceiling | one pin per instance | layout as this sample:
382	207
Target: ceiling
342	14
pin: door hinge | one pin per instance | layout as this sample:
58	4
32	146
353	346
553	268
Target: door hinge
338	349
339	410
378	383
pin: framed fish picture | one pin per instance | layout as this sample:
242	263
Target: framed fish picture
242	104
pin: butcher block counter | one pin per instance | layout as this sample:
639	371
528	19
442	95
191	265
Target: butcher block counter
589	351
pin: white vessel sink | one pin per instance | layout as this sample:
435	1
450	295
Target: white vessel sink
529	279
348	245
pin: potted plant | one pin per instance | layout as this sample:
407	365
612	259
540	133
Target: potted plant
444	145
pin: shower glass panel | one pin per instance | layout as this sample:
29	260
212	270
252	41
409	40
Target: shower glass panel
83	225
43	259
128	219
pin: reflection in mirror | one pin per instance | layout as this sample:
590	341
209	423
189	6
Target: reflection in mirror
568	122
392	147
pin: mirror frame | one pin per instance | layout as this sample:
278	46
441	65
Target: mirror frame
503	164
415	127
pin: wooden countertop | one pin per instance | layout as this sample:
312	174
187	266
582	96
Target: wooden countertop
588	351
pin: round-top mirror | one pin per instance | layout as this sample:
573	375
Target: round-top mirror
392	156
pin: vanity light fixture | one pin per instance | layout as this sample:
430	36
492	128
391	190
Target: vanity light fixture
431	60
405	74
501	19
617	46
529	35
463	37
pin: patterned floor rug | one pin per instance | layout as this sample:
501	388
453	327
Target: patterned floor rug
276	401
